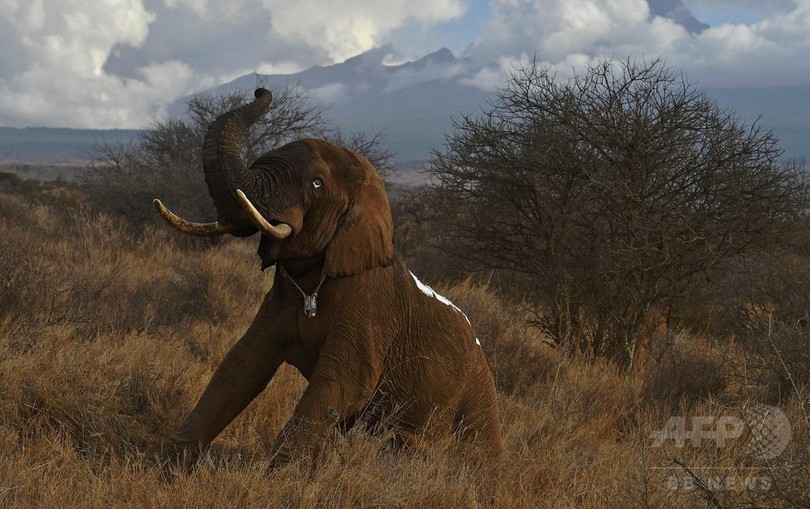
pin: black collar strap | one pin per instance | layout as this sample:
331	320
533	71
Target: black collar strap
310	301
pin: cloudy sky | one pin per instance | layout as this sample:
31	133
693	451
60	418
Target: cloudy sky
118	63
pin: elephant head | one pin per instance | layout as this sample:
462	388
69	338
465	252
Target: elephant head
309	199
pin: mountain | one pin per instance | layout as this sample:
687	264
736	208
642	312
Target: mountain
677	12
411	104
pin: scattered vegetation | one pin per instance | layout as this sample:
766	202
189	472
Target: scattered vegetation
110	328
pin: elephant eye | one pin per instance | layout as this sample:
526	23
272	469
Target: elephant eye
317	183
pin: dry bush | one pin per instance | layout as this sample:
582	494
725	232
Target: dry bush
415	229
609	195
779	356
682	368
750	292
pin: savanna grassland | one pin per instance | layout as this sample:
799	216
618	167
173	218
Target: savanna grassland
108	334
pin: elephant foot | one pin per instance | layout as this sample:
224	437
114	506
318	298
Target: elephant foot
180	455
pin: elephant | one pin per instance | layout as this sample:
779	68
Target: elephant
375	344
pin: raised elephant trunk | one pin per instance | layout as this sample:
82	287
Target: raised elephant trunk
225	171
227	175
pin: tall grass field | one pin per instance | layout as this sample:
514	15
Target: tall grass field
108	335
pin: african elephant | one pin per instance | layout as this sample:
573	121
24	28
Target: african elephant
371	339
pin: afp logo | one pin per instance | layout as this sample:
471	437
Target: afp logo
768	430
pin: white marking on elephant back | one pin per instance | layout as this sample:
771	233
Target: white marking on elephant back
430	292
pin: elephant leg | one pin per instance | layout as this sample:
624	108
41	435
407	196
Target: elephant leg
340	387
243	374
478	421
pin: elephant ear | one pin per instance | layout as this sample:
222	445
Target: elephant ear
365	237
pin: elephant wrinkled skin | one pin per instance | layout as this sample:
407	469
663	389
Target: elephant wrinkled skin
375	343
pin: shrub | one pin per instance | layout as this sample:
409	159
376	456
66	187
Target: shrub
608	196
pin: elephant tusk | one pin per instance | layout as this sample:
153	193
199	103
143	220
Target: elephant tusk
189	227
280	232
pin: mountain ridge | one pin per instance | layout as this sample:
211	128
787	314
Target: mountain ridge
411	104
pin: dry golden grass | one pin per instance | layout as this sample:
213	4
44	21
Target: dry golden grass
107	339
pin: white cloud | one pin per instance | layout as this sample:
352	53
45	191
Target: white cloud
493	76
330	93
349	27
117	63
557	28
582	24
771	52
562	32
737	11
60	78
198	7
281	67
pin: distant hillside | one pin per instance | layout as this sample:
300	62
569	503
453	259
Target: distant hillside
411	104
41	145
783	110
